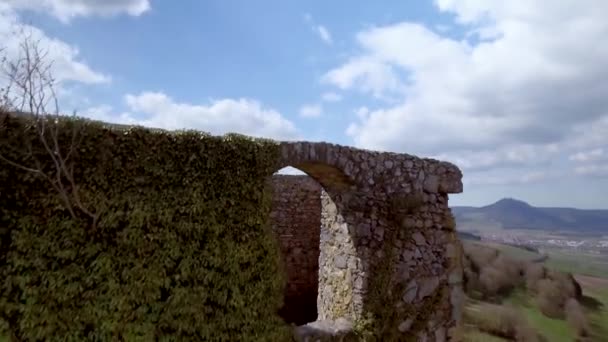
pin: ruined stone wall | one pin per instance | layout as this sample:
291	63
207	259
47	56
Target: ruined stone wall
404	266
296	221
390	262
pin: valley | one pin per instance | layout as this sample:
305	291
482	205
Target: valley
569	239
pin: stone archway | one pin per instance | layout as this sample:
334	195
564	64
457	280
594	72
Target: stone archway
386	231
296	221
323	189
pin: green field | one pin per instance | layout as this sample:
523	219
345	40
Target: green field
512	252
578	263
552	329
599	318
591	270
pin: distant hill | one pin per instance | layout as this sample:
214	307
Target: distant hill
468	236
510	213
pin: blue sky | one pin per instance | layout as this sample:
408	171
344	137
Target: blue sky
513	93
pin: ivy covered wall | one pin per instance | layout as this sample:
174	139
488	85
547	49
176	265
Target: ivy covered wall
180	248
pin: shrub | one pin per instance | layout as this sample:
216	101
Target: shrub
490	273
502	321
472	284
525	333
551	298
479	256
492	280
553	292
534	272
576	317
567	283
512	269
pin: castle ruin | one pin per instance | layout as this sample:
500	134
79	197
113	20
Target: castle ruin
368	234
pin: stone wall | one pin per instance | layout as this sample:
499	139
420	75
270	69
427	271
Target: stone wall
390	263
296	220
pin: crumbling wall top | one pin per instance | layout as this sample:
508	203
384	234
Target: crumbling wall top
348	166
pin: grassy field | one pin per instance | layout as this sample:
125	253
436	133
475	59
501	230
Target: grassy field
590	271
599	318
578	263
512	252
596	292
552	330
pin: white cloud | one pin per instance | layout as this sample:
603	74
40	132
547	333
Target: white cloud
362	113
106	113
593	170
331	97
442	28
591	155
311	111
65	10
67	65
366	74
511	155
324	34
517	178
245	116
590	134
320	30
527	83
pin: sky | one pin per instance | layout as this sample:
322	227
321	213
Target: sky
512	92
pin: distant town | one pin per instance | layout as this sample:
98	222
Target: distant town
540	241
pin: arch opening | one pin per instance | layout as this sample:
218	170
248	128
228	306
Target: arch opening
309	225
296	221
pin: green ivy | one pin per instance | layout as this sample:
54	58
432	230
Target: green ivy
182	249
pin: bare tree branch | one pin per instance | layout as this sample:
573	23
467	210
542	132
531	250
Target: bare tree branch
31	90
